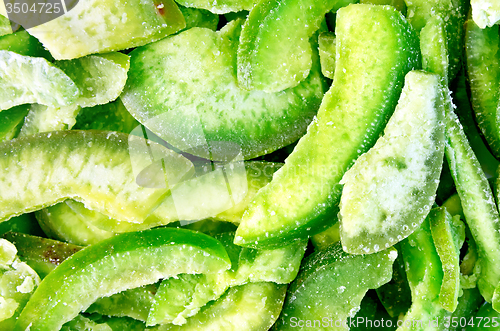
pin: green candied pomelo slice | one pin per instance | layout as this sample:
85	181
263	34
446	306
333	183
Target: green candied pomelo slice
11	121
5	27
17	283
25	79
104	170
97	26
199	18
100	78
42	118
220	6
117	264
21	42
448	235
274	52
250	307
390	189
184	89
180	298
327	52
485	12
332	283
112	116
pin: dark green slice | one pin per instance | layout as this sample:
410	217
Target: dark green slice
203	111
303	196
21	42
332	284
11	121
274	53
483	70
199	18
122	262
104	170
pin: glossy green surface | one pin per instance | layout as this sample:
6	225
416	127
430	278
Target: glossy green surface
369	75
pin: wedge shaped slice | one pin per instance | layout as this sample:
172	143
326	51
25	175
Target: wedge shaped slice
96	26
390	189
120	263
303	196
98	168
25	79
184	89
274	51
332	283
485	13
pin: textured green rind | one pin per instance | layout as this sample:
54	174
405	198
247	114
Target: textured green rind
390	189
453	14
332	284
304	194
98	168
425	274
199	18
100	78
178	299
62	223
250	307
21	42
25	79
485	12
483	70
41	254
478	203
274	53
120	263
448	235
96	26
203	108
11	121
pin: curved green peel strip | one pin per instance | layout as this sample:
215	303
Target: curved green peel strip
485	12
274	53
332	284
120	263
483	70
250	307
327	53
25	79
97	26
389	190
203	111
17	283
425	275
11	121
304	194
104	170
180	298
448	235
41	254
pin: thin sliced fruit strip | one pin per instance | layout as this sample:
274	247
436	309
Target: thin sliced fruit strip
332	283
178	299
25	79
120	263
104	170
97	26
274	53
184	89
303	196
390	189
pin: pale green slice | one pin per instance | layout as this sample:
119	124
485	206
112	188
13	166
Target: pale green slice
100	26
100	78
327	53
5	27
250	307
485	12
25	79
42	118
390	189
184	89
